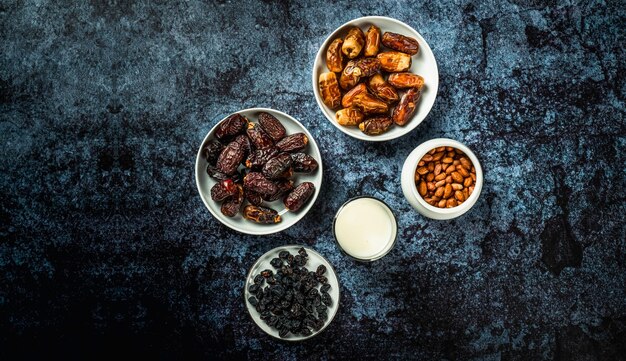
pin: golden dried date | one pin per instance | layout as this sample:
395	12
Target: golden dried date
259	138
372	41
293	143
212	151
334	57
299	196
256	182
329	90
347	99
350	76
406	80
407	106
231	126
230	158
261	214
368	66
284	186
272	126
394	61
258	158
353	43
370	105
303	163
376	126
223	190
349	116
383	90
231	206
276	167
401	43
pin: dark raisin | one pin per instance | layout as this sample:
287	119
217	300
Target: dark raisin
312	293
321	269
297	260
276	263
322	316
283	332
254	288
258	279
271	280
283	254
326	299
267	273
305	332
253	301
323	280
325	288
317	300
302	252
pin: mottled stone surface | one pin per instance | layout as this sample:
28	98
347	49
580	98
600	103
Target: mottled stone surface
104	241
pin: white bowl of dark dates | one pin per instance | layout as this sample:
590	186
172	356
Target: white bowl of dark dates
375	78
258	171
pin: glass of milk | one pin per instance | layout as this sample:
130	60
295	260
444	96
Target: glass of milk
365	228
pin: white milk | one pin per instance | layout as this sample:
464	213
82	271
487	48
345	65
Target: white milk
365	228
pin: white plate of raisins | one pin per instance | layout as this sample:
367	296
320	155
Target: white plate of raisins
402	64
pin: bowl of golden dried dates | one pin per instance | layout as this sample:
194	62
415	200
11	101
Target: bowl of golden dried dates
375	78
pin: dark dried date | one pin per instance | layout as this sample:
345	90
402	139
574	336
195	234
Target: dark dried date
284	186
272	126
259	157
231	126
259	138
376	126
303	163
256	182
293	143
223	190
231	206
245	143
401	43
230	158
212	151
299	196
261	214
214	173
277	166
407	106
253	197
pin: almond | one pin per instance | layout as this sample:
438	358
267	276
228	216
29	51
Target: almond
439	192
468	182
427	158
459	196
457	186
447	160
441	176
422	170
430	177
457	177
447	191
442	203
437	169
422	188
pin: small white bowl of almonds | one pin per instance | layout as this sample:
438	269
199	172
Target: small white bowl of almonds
375	78
442	178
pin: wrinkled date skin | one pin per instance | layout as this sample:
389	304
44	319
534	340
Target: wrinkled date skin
212	151
284	186
349	116
348	98
394	61
406	80
372	41
407	106
299	196
334	57
231	126
259	157
259	138
231	206
350	76
276	167
383	90
214	173
303	163
253	197
370	105
223	190
376	126
353	43
261	214
272	126
329	90
401	43
245	143
368	66
256	182
293	143
230	158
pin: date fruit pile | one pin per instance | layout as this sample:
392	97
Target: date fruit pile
291	301
445	177
269	157
370	80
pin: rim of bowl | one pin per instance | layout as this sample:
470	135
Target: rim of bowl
321	105
330	320
441	142
284	226
365	260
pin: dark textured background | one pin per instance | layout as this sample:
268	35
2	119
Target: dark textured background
105	242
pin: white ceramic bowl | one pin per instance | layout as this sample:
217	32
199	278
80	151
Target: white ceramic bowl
410	190
423	63
238	223
315	259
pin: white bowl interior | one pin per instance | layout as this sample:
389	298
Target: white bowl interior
238	223
423	63
315	259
